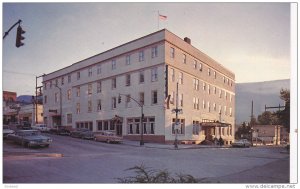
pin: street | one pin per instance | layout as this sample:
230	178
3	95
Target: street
72	160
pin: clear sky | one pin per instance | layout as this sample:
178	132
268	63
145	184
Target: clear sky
250	39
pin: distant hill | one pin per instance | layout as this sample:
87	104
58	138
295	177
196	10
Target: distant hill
262	93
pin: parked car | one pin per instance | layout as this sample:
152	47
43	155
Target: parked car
107	136
25	125
41	127
60	131
7	131
30	138
241	143
82	133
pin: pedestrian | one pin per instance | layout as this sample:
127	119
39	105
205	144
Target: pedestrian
221	141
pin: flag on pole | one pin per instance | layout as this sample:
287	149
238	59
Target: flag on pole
162	17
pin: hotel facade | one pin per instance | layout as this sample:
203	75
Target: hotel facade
144	73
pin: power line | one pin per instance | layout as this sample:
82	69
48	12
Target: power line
20	73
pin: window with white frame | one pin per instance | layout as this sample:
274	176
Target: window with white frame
77	91
113	83
230	112
200	67
50	84
141	77
113	103
225	110
78	108
128	101
127	59
172	52
214	107
181	100
184	58
56	82
90	71
204	86
99	86
180	78
69	118
62	80
215	74
99	105
113	64
69	78
99	69
208	71
154	97
172	97
203	104
90	88
78	75
69	94
56	97
220	93
90	106
127	80
195	64
208	88
142	98
141	56
196	127
180	128
154	74
172	74
45	99
154	52
208	106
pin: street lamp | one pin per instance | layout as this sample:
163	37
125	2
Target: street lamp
60	104
142	115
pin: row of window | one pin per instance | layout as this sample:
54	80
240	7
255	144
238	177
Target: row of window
133	125
197	64
211	107
141	57
128	102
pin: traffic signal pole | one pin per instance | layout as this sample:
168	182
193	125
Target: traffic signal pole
6	33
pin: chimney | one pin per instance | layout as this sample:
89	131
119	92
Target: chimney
188	40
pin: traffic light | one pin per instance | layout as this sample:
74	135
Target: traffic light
119	99
19	37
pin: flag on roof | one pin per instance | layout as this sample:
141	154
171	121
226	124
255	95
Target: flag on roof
162	17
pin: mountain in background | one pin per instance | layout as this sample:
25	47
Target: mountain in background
262	93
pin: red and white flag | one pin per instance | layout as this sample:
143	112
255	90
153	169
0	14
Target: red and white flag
162	17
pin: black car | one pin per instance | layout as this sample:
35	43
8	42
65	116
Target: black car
82	133
60	131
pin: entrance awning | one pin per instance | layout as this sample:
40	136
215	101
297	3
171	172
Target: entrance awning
214	124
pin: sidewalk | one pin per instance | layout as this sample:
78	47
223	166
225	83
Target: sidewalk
169	146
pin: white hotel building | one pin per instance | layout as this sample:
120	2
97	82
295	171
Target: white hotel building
147	70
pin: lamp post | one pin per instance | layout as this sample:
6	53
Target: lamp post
142	115
176	110
60	104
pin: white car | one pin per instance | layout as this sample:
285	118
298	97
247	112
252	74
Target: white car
7	131
41	127
241	143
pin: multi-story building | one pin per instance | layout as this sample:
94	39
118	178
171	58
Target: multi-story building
145	72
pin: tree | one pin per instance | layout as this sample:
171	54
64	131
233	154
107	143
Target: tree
243	131
284	115
267	118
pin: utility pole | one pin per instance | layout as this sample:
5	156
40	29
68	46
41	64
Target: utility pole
36	100
176	110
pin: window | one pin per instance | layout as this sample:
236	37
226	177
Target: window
45	99
141	56
220	109
154	52
99	69
181	100
230	112
99	86
113	64
196	84
90	89
215	90
99	125
214	107
220	93
78	108
99	106
154	76
230	98
196	127
208	71
128	80
128	101
224	79
113	83
208	88
56	97
203	104
200	67
204	86
114	103
90	71
56	82
152	125
180	78
195	64
172	97
172	53
127	59
78	91
69	78
78	75
69	94
89	106
184	59
142	77
215	74
142	98
180	128
62	80
225	95
69	118
50	84
154	97
208	106
45	86
105	125
172	74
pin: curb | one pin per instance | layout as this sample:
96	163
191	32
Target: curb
28	154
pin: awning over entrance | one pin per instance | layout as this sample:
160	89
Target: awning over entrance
214	124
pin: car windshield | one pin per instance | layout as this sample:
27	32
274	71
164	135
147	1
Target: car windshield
5	127
29	133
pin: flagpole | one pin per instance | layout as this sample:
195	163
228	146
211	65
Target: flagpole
158	20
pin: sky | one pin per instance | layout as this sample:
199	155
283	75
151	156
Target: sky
250	39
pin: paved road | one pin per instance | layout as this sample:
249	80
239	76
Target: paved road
84	161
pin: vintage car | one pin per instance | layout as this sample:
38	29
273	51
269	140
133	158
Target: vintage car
7	131
41	127
241	143
107	136
82	133
30	138
60	131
